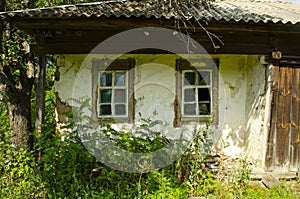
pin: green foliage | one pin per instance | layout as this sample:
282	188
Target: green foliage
23	4
148	139
27	4
4	122
65	167
282	191
239	179
18	175
15	55
191	166
67	170
162	184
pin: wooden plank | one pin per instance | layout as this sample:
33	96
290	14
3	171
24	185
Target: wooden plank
86	47
283	120
269	159
237	42
295	120
40	99
281	175
40	92
288	61
95	93
239	37
32	23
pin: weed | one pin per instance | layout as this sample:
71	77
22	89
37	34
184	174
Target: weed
67	170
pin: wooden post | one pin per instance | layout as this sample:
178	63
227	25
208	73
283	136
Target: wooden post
40	93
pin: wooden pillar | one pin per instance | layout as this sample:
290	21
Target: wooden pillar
40	92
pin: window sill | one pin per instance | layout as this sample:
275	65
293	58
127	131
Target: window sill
104	120
201	119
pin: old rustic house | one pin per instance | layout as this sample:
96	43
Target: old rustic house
247	79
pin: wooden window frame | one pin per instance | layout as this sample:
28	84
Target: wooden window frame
101	65
191	65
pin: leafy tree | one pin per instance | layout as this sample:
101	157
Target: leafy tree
16	82
17	71
27	4
17	76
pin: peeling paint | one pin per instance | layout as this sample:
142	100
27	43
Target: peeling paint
61	109
241	110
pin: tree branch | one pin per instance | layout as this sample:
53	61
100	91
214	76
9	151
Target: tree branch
8	74
7	87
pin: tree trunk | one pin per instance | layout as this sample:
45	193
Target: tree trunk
18	95
20	121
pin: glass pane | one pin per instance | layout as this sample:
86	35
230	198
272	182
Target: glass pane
120	79
203	94
204	78
189	95
190	109
204	108
120	109
105	110
105	95
120	95
106	79
189	78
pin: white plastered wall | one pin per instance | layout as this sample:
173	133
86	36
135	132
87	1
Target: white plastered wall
241	97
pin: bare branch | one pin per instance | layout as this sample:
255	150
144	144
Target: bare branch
211	36
179	7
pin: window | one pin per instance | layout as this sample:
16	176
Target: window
113	91
196	87
196	91
113	95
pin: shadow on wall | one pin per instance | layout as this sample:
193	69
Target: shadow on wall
242	133
255	109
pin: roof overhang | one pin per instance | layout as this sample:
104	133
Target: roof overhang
69	33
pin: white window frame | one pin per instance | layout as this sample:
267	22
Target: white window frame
113	88
183	65
183	87
99	66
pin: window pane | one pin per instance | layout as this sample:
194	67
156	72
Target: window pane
120	79
204	78
120	109
189	95
190	109
204	108
105	95
189	78
106	79
120	95
105	110
203	94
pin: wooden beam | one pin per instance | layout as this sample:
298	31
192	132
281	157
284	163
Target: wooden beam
79	35
40	93
236	42
288	61
31	24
